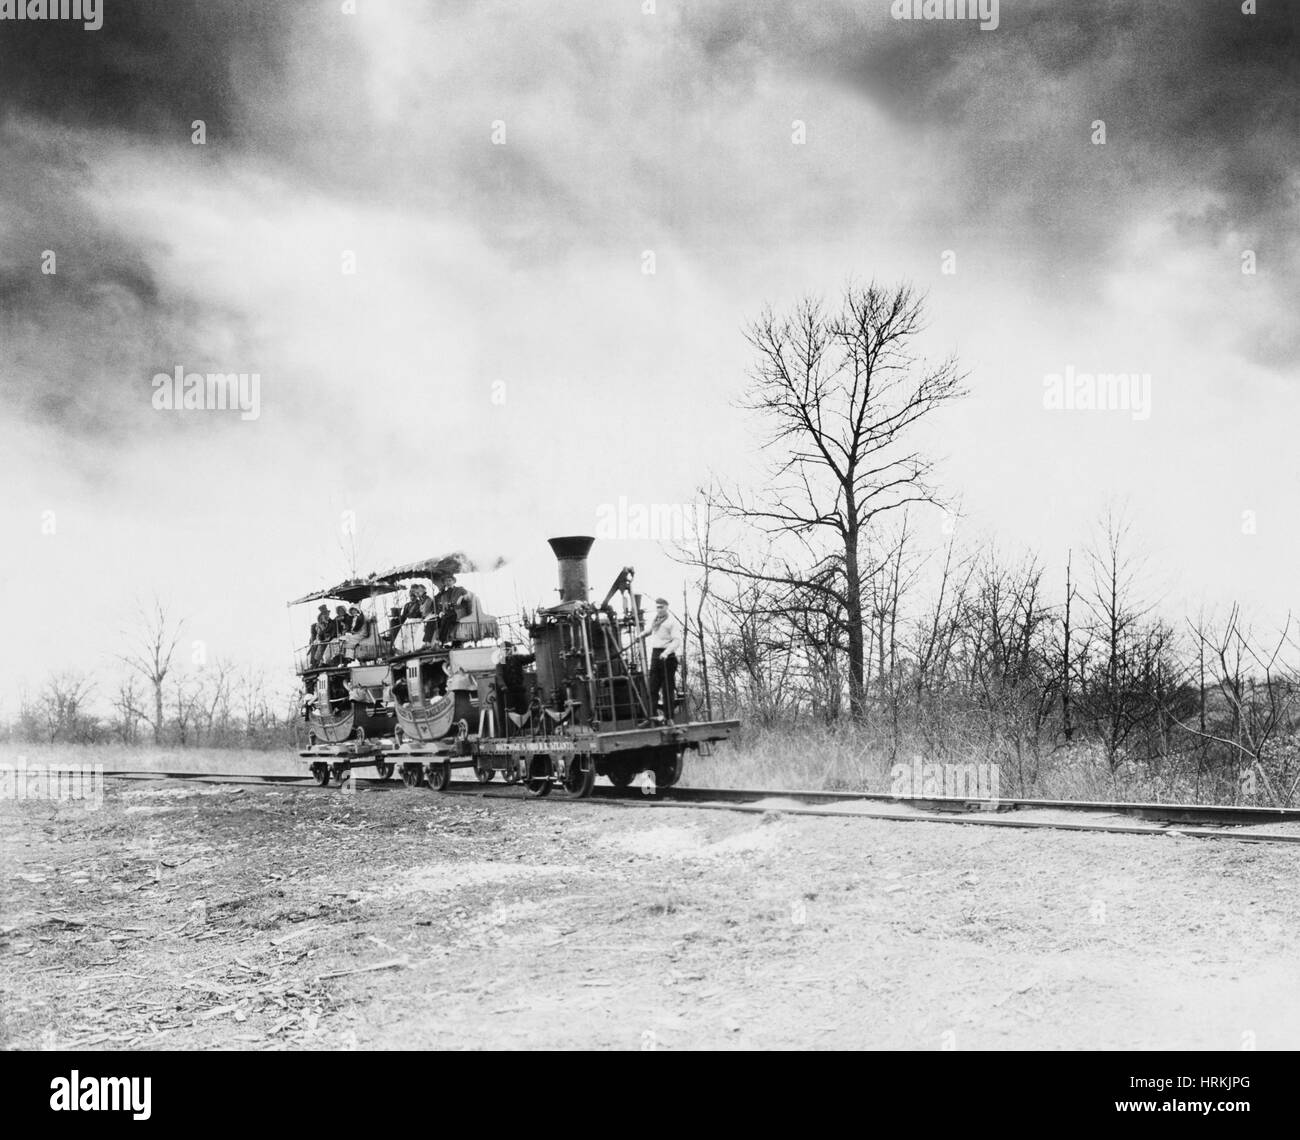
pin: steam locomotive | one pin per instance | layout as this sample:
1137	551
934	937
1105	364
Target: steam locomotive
571	705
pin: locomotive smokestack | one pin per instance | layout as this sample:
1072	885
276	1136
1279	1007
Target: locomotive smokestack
572	555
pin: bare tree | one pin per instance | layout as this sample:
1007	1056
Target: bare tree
1117	619
127	704
153	645
210	696
1065	677
700	555
62	706
1259	695
840	393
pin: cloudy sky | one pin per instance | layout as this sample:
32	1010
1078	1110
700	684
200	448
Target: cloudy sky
500	365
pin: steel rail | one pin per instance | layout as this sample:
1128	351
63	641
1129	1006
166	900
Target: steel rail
941	809
1168	813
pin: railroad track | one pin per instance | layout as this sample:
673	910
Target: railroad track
1197	821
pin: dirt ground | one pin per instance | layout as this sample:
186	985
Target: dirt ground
184	916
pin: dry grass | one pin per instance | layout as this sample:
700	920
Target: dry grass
821	758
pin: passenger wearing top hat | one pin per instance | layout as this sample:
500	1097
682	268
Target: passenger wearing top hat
665	641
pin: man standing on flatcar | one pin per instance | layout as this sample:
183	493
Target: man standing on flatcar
665	641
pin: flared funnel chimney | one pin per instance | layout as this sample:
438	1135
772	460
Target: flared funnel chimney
571	552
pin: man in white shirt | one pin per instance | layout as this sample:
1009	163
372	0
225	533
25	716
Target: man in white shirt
665	641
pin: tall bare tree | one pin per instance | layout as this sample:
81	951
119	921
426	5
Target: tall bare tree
840	393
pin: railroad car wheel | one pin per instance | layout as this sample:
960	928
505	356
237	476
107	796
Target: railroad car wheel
508	778
621	776
383	771
484	775
412	775
338	772
669	772
321	774
539	787
439	775
581	777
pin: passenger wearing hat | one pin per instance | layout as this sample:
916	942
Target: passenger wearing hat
354	626
418	605
358	623
665	641
512	678
452	604
322	631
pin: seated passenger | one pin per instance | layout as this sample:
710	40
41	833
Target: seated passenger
358	623
419	606
360	695
353	631
453	604
336	648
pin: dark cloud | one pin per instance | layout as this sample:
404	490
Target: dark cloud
152	67
80	344
1197	93
1201	105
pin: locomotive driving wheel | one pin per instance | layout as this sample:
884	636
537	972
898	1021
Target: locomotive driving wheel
539	777
439	775
581	777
